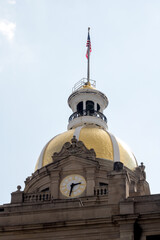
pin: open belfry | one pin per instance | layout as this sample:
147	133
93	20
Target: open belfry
87	183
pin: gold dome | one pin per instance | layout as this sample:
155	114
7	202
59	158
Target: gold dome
106	146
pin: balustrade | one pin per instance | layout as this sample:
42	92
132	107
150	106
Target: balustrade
37	197
88	113
100	191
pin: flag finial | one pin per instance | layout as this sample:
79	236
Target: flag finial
89	50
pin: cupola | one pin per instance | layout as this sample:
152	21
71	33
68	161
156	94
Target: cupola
87	104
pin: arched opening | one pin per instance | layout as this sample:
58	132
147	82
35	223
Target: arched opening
80	108
90	107
98	107
45	189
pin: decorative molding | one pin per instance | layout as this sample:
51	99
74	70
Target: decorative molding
75	148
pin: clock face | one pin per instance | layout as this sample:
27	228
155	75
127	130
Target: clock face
73	185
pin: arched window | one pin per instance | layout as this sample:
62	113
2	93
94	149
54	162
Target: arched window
98	107
90	107
80	108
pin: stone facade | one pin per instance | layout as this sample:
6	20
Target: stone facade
116	203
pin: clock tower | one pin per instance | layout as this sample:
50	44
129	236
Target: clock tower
78	161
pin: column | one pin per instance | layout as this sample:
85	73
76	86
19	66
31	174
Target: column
90	178
118	186
55	184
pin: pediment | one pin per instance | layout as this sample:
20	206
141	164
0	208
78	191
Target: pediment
77	163
75	148
73	163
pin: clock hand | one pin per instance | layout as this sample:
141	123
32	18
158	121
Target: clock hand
77	183
72	186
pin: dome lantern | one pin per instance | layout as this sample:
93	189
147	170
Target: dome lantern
87	104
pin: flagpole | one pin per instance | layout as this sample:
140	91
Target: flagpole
88	67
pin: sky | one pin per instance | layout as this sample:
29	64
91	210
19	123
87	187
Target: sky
42	56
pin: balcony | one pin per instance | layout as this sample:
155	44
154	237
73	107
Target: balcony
88	113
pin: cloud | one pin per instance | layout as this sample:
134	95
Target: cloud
12	2
7	29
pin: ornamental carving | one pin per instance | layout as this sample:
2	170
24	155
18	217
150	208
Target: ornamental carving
75	148
140	170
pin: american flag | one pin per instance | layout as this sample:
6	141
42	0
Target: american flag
88	45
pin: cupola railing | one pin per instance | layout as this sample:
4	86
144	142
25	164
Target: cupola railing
92	113
83	82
